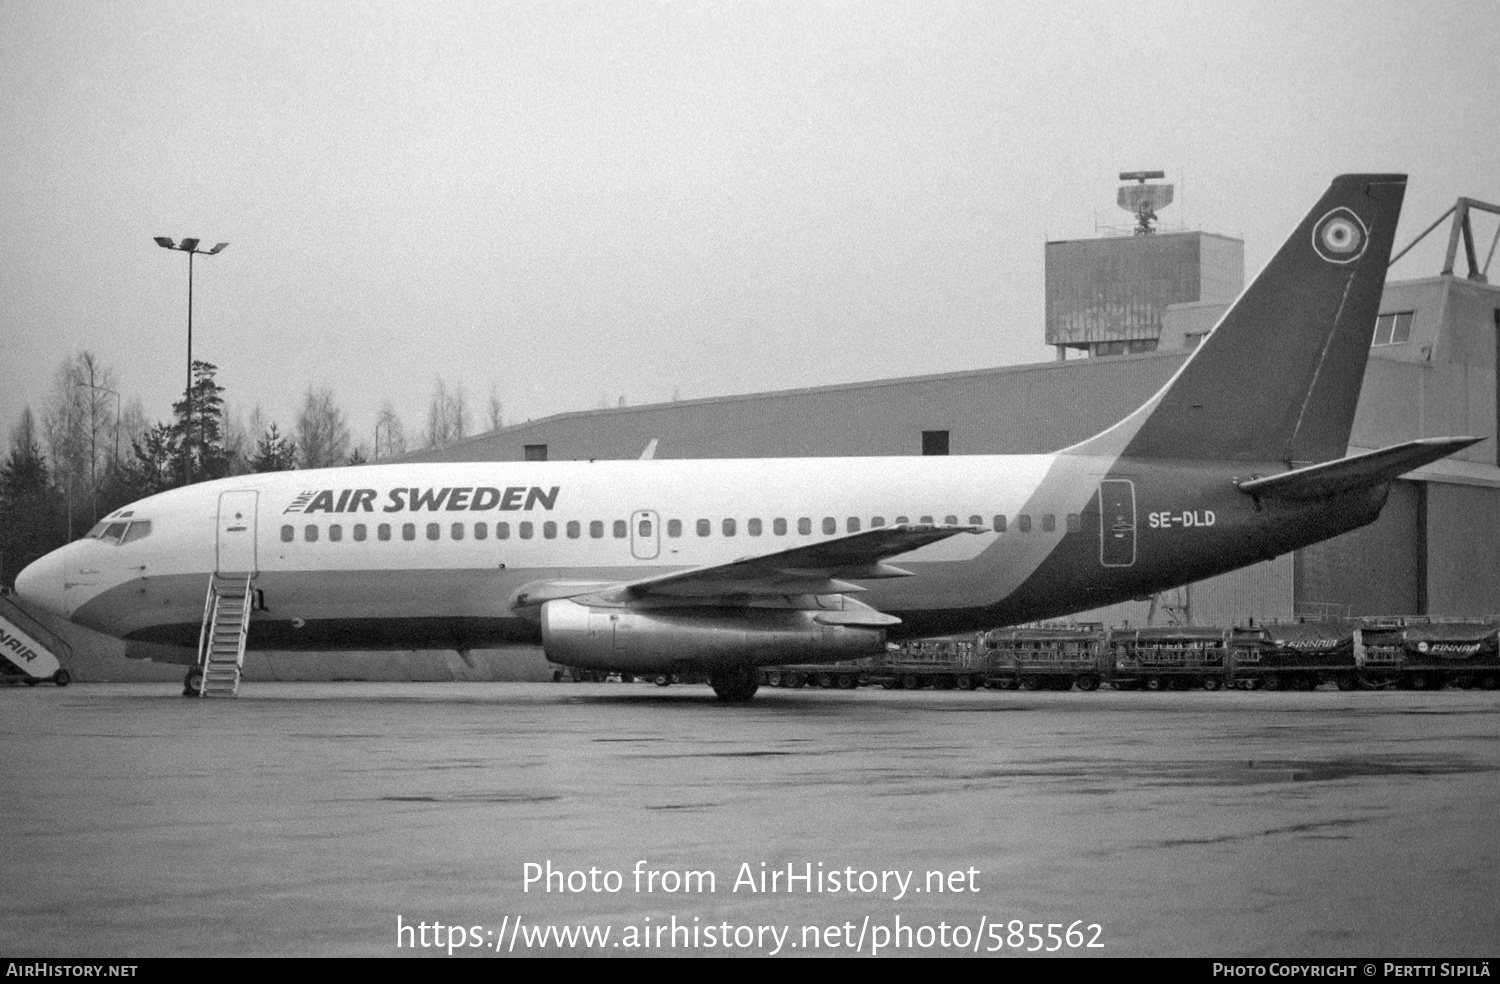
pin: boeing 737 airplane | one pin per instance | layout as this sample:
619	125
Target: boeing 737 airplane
722	566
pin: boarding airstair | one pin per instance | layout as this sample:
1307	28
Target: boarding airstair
221	644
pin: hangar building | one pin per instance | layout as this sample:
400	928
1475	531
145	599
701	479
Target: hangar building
1137	305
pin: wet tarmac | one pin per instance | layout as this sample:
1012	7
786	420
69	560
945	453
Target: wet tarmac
307	819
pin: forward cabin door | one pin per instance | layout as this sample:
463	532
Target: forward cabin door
1117	522
645	534
236	553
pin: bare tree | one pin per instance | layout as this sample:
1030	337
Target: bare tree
447	415
389	434
322	431
497	415
80	423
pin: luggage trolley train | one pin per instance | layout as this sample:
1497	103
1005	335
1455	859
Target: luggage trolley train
1408	652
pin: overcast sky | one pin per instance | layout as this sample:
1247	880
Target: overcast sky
578	201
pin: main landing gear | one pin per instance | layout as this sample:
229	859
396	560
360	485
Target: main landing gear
735	683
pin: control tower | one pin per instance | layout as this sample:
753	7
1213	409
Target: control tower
1142	288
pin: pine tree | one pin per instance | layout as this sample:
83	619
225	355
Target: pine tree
31	520
200	440
273	452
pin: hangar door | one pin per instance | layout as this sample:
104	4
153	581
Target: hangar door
1380	569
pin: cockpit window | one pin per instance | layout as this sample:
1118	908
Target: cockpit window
91	534
114	532
139	530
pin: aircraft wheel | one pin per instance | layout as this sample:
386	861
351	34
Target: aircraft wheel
1030	683
192	684
774	679
1271	682
965	682
825	680
890	684
848	681
62	677
736	683
1155	683
911	682
1210	683
662	679
1087	682
1419	681
32	681
1345	681
795	680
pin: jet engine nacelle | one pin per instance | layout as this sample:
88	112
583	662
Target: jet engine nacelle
648	640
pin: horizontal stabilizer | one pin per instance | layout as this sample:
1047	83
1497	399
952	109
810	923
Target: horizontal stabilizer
1360	471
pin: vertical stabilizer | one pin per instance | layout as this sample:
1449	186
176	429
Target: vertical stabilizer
1279	376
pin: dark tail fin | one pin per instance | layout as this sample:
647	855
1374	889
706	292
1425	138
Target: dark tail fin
1279	377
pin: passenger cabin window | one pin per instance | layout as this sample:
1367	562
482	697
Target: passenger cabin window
360	532
804	526
574	530
951	520
383	532
674	527
704	527
457	532
999	524
877	521
1049	523
481	531
434	531
596	529
310	533
976	520
1023	523
729	527
830	526
502	531
408	531
288	534
525	530
753	527
622	529
645	527
1075	523
853	525
335	533
778	526
549	530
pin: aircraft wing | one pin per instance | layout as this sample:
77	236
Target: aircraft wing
817	568
1358	471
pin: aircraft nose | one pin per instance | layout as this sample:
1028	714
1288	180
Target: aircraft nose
41	584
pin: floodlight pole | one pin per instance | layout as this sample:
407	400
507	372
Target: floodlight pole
190	247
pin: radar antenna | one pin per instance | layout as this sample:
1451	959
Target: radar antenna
1142	199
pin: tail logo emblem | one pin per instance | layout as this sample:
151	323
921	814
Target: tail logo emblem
1340	237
